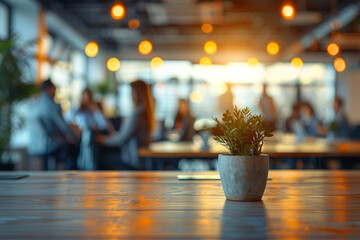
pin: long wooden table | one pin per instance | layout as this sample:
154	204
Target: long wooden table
156	205
315	148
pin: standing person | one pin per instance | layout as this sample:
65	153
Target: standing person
226	101
49	131
184	122
340	124
90	115
136	131
91	120
268	108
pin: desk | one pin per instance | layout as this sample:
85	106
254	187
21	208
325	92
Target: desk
315	148
153	205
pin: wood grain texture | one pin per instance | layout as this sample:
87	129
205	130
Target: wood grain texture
315	148
155	205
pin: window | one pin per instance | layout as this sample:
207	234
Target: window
4	21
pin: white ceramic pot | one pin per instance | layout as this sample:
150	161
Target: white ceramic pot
243	178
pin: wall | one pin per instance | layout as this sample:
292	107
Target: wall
348	87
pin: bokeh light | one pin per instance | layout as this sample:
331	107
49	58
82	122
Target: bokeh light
205	61
253	62
333	49
118	11
113	64
273	48
210	47
288	11
196	97
134	23
91	49
297	62
339	64
156	63
206	28
145	47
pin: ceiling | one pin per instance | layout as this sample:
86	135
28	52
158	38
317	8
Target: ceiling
240	26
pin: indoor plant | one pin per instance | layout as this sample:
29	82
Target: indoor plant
244	172
15	86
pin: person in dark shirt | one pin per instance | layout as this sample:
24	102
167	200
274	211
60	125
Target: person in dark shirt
340	125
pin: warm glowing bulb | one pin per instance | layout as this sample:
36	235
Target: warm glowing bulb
297	62
113	64
210	47
156	63
333	49
196	97
206	28
288	11
145	47
273	48
118	11
91	49
134	23
205	61
339	64
253	62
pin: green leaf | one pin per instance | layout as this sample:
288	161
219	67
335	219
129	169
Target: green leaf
242	132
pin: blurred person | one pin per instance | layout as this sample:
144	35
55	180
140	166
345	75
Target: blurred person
268	108
312	124
226	101
293	123
51	135
136	131
91	120
340	126
90	115
184	122
293	119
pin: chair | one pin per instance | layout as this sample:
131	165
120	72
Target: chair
355	133
48	157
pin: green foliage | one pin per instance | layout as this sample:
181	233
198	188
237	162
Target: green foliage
14	67
333	126
107	86
242	133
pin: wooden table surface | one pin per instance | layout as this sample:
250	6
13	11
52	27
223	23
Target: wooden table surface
315	148
156	205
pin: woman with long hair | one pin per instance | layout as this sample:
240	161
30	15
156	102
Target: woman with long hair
136	131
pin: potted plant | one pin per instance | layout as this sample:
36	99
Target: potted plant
15	86
244	172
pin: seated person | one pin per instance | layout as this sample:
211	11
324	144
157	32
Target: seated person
49	131
293	124
340	125
293	118
136	131
184	122
312	124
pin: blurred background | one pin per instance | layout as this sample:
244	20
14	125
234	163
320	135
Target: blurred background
275	57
